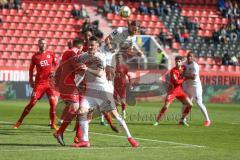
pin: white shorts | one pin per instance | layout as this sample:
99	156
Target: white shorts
193	92
100	98
111	86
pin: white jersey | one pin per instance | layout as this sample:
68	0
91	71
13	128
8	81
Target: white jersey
99	93
193	69
110	56
94	62
121	38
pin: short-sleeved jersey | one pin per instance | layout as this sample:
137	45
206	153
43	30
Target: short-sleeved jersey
121	72
43	62
176	79
192	69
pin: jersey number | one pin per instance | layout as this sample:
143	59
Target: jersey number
44	63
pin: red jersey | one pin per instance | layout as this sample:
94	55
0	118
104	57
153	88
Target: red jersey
67	55
85	47
43	62
176	79
120	75
65	75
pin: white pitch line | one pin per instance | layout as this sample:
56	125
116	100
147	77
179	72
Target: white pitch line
90	148
151	140
235	123
143	139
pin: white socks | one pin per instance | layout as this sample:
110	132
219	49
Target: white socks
124	125
203	109
84	128
102	118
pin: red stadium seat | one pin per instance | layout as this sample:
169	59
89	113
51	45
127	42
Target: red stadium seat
5	40
208	33
224	21
210	61
190	13
151	24
115	23
2	62
237	68
131	17
223	68
159	25
117	17
182	52
231	68
215	67
139	17
36	13
146	18
176	45
197	14
110	16
6	55
25	48
201	60
10	63
14	55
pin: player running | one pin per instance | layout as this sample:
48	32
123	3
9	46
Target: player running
175	91
120	83
43	61
193	87
98	93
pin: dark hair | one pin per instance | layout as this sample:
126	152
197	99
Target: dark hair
77	41
190	53
94	38
178	58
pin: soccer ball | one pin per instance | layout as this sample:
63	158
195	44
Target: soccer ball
125	11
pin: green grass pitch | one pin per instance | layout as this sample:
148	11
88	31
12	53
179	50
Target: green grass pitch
168	141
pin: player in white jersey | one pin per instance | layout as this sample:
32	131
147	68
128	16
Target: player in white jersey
98	94
123	38
109	52
193	87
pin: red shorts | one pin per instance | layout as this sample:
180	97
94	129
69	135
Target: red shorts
180	95
40	89
70	97
119	91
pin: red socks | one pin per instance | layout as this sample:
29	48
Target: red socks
123	106
68	118
108	118
78	128
26	110
161	113
52	111
186	112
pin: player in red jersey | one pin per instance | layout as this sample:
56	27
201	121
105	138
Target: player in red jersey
120	83
43	61
175	90
66	77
